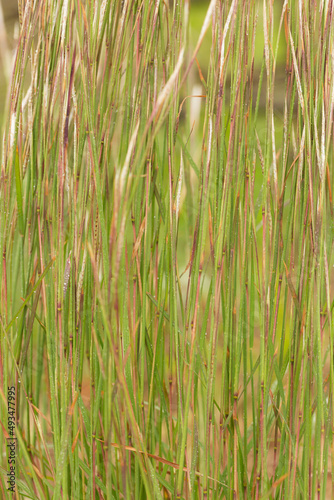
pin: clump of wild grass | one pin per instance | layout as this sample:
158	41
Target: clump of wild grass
166	286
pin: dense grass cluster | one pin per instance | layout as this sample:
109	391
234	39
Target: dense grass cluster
166	242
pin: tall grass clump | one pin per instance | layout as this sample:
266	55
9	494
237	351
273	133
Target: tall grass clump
166	236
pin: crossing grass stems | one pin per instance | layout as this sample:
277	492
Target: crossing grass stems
166	285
